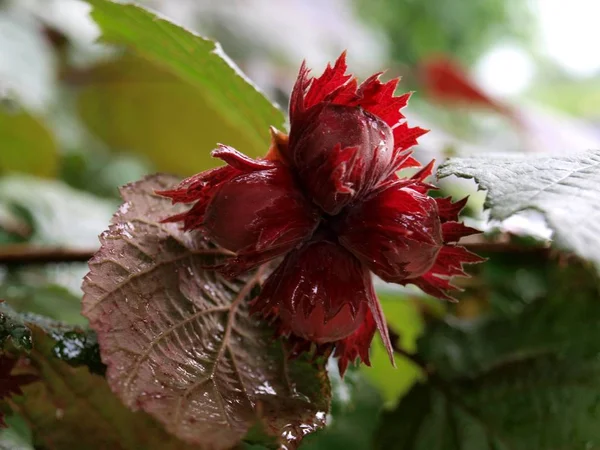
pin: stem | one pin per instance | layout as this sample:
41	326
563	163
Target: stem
17	254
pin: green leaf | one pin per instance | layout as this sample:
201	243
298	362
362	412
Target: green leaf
71	408
30	289
59	215
543	404
27	145
565	189
135	105
108	170
186	81
178	338
524	381
564	321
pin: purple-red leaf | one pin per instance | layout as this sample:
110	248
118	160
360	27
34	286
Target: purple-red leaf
177	337
10	384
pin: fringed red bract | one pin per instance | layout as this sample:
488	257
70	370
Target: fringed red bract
328	199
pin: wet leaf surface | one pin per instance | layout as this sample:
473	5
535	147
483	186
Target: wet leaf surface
55	384
178	340
565	189
13	329
69	408
78	348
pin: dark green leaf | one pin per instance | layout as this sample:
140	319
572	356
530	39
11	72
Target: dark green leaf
529	380
565	189
78	348
13	329
70	408
74	345
541	404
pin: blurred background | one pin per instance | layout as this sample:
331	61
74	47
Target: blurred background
79	118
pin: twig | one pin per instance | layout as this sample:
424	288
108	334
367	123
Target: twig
15	254
32	254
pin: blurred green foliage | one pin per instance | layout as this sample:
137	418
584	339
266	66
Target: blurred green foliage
27	145
464	29
18	435
136	106
523	380
404	319
580	98
39	290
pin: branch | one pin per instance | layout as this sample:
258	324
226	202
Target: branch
15	254
33	254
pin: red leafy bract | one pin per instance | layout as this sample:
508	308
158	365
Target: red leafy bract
346	137
322	294
277	215
329	199
396	233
